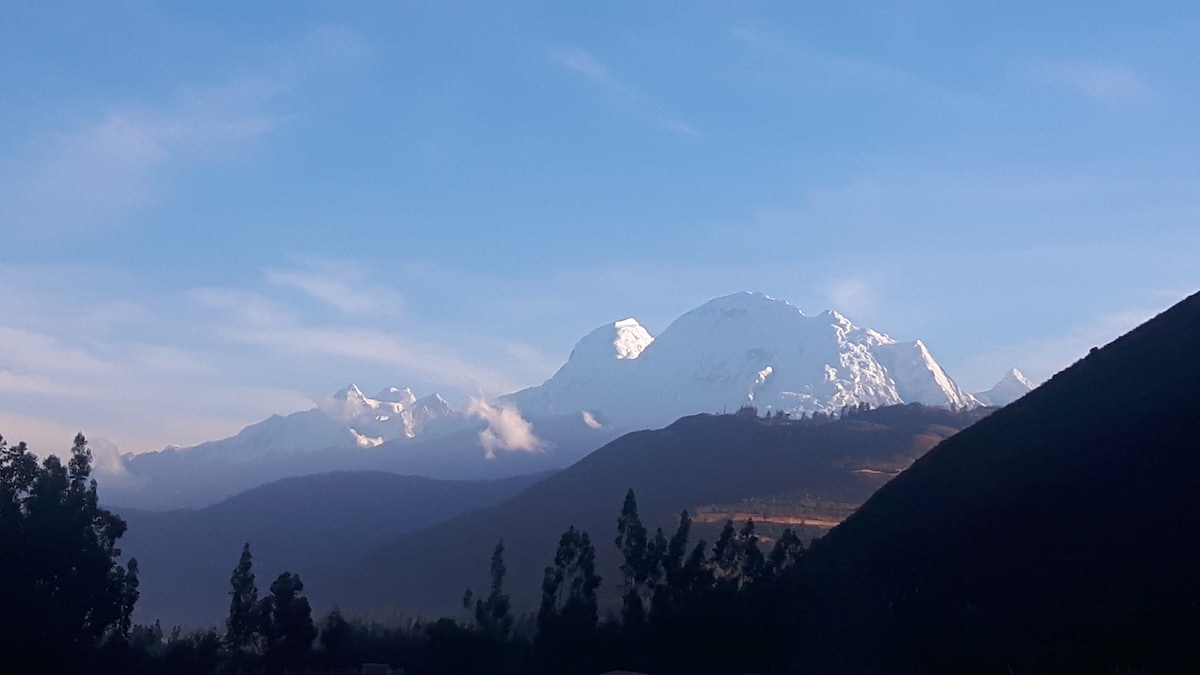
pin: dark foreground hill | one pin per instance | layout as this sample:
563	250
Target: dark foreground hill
728	465
313	526
1057	535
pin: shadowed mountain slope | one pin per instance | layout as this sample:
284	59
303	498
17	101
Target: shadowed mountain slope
1056	535
313	526
697	461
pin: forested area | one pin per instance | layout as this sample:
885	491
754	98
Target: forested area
685	606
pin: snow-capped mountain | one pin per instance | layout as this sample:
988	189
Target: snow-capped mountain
1011	387
392	413
741	349
347	419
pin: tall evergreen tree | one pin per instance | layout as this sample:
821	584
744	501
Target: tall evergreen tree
737	560
677	548
336	636
58	555
788	550
674	582
751	555
696	574
631	541
243	625
287	620
725	559
568	616
656	555
129	597
493	614
569	587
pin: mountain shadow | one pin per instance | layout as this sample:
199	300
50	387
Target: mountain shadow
1056	535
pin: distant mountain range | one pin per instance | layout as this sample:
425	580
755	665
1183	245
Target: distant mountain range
746	349
408	546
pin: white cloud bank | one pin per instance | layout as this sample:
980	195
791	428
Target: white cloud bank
506	429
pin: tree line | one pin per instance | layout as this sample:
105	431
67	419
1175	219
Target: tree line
684	606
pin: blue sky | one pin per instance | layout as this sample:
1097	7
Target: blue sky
210	212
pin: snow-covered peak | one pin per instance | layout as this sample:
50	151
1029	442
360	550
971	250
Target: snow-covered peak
837	318
742	348
403	396
620	340
433	400
393	413
350	402
1017	377
743	304
631	339
431	406
741	317
918	377
350	393
1011	387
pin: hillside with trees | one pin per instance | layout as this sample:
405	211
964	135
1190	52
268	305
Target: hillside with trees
703	461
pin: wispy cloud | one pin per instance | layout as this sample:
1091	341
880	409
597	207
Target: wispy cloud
415	358
585	64
853	296
679	127
25	384
588	66
170	360
341	287
506	429
31	352
140	374
44	436
807	69
383	337
753	37
338	44
89	176
1111	83
244	307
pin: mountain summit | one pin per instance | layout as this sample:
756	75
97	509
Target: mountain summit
741	349
1011	387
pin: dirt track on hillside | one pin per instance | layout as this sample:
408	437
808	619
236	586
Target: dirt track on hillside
741	517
